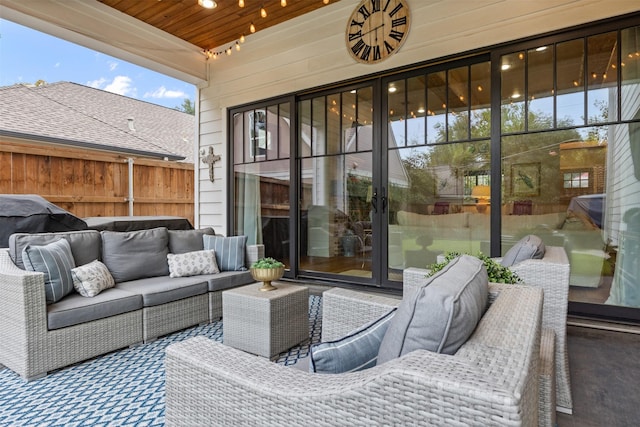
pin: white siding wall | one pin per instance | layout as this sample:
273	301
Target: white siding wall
310	51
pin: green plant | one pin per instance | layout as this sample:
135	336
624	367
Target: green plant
497	272
267	263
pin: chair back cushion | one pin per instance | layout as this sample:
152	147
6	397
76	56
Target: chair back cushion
529	247
440	315
131	255
85	244
183	241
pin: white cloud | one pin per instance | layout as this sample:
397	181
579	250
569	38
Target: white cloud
162	92
56	65
97	84
121	85
112	65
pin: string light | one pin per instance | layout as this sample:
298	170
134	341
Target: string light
252	28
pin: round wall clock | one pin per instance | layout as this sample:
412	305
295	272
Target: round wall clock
377	29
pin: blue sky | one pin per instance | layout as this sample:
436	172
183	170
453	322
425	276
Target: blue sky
27	55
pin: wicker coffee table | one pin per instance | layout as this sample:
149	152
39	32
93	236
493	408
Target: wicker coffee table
265	323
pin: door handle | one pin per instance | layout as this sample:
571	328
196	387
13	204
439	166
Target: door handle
384	200
374	200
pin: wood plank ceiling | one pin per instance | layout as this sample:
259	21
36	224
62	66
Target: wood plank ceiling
211	28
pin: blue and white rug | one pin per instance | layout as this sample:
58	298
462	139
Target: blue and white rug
124	388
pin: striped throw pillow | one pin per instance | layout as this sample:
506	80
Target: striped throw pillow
229	251
55	260
355	352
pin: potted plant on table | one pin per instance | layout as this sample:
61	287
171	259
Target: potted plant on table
266	270
497	272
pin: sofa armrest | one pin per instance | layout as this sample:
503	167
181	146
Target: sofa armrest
23	313
344	310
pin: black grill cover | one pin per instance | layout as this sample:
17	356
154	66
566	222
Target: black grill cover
29	213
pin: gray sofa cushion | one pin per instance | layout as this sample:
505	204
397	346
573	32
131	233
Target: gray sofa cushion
55	261
76	309
529	247
230	251
131	255
441	315
85	245
228	279
356	351
183	241
161	290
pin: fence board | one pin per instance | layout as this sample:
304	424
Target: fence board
88	183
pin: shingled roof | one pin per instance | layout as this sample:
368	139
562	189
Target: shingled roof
77	115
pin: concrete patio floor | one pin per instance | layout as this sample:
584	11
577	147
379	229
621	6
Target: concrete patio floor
605	378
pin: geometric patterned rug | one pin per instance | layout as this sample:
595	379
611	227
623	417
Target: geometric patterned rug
123	388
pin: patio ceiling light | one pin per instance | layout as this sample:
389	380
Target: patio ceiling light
208	4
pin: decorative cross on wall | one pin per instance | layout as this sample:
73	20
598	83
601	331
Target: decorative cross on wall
210	159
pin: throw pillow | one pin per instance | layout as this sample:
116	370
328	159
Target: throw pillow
192	263
354	352
92	278
183	241
55	261
131	255
229	251
529	247
440	315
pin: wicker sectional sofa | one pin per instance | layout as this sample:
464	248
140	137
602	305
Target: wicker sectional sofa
38	337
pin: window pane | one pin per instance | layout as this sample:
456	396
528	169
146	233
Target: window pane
458	104
436	107
333	129
417	111
540	88
397	112
305	137
284	131
318	128
348	121
603	77
365	118
570	81
238	138
512	92
630	51
480	100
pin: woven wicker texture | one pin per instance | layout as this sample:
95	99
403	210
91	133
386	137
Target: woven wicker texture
265	323
344	310
551	274
491	381
173	316
29	348
547	380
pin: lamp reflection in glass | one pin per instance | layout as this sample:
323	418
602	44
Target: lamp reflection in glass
482	194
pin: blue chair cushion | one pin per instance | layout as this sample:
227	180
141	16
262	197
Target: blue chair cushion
354	352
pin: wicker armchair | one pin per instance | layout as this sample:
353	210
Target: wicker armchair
491	381
552	275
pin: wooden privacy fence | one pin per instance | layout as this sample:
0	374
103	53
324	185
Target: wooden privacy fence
92	183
